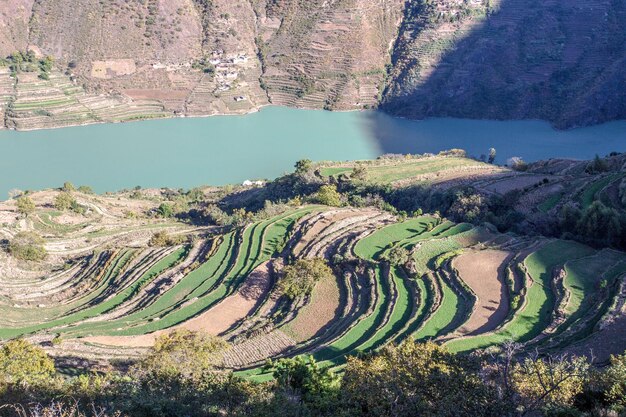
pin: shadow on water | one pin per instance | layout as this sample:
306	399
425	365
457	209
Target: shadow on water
560	60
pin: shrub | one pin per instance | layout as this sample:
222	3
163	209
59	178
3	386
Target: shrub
64	201
597	166
398	256
165	210
23	364
300	278
25	205
28	246
162	239
68	187
517	164
416	379
328	195
85	189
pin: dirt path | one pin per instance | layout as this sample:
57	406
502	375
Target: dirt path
214	321
483	272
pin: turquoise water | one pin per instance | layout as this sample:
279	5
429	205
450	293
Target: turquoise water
230	149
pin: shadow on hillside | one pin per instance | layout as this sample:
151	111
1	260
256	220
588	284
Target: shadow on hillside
527	59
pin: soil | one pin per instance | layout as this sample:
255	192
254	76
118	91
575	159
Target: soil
483	272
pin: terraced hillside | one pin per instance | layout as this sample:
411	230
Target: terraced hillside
462	285
560	61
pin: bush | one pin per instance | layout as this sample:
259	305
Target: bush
597	166
25	205
165	210
162	239
300	278
517	164
23	364
64	201
328	195
28	246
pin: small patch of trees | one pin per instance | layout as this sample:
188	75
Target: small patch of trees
28	246
328	195
299	279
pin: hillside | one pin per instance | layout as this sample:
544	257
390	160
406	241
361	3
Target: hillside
120	60
441	248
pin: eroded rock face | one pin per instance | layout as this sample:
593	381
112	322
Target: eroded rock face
558	60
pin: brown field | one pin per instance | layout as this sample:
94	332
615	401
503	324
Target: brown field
322	309
483	272
113	68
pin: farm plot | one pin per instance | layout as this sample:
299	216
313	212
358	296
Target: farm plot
231	266
390	172
483	272
536	313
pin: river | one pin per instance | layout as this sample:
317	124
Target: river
186	152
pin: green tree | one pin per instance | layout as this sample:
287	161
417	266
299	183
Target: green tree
300	278
85	189
23	364
25	205
182	353
165	210
68	187
64	201
600	224
492	155
328	195
398	256
303	166
359	173
27	246
302	377
614	384
416	379
597	166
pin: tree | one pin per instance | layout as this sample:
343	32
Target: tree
28	246
182	353
416	379
303	166
359	173
328	195
300	278
162	239
165	210
64	201
68	187
23	364
600	224
550	383
303	376
597	166
25	205
492	155
85	189
517	164
468	207
398	256
613	381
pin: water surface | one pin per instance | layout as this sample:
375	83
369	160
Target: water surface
230	149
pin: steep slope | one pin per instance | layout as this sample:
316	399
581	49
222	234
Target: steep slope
557	60
511	59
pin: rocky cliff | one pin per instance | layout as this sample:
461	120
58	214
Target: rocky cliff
116	60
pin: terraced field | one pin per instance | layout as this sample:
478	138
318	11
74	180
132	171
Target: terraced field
465	286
